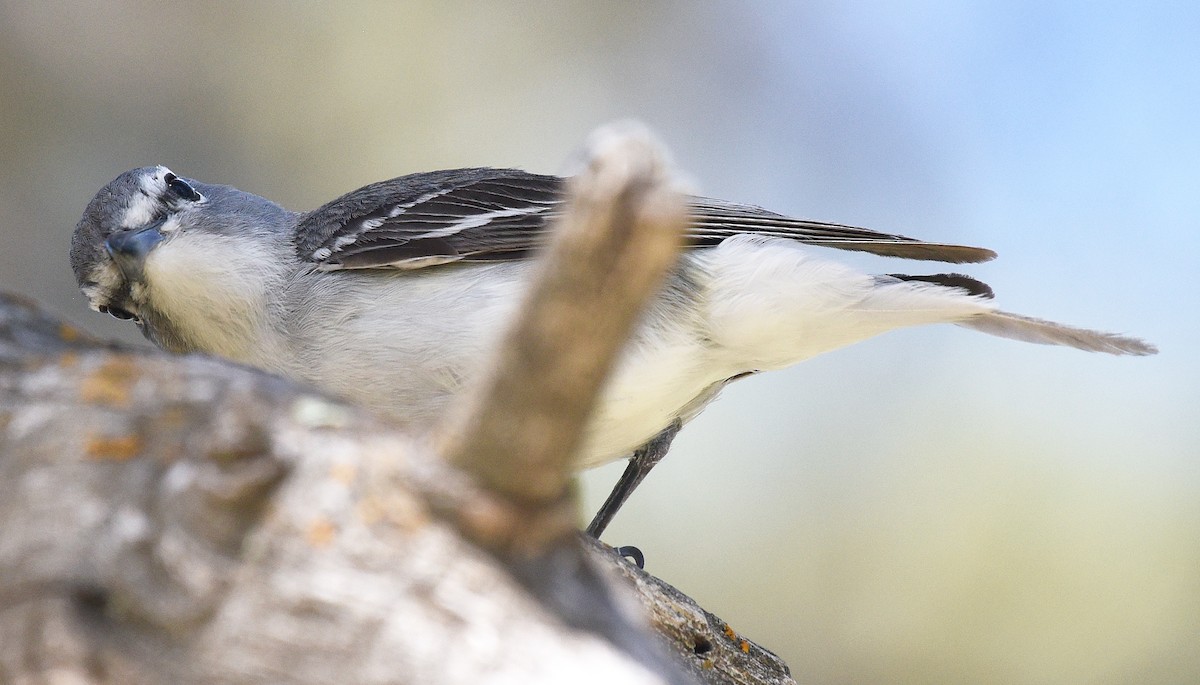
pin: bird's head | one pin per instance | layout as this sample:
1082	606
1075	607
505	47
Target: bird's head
162	250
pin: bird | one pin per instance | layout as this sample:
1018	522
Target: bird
392	295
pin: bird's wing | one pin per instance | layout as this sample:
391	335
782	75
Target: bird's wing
477	215
715	220
432	218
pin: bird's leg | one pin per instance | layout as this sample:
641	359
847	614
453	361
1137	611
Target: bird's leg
640	464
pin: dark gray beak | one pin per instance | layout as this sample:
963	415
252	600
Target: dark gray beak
129	248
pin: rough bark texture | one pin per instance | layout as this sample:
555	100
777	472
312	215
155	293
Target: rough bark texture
183	520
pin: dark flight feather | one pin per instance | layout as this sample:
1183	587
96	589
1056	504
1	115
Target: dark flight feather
485	214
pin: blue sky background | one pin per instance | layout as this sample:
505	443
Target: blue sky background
930	506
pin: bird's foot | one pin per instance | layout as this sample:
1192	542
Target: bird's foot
633	554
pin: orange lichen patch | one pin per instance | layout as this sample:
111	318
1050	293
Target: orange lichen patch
320	532
707	664
110	384
405	513
69	333
171	417
745	647
392	509
729	632
369	511
343	473
108	448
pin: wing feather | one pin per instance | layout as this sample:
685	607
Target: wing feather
483	214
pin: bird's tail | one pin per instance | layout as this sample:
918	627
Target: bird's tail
1043	332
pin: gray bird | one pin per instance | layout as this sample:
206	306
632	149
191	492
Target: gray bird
392	296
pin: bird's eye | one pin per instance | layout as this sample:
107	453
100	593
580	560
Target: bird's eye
181	188
116	312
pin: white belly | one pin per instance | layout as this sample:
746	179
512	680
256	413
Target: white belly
409	352
654	381
407	343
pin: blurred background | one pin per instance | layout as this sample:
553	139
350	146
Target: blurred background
932	506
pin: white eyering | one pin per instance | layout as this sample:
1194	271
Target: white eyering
147	203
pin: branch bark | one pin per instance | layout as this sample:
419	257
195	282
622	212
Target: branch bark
181	519
618	237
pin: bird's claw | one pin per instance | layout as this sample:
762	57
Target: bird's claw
633	554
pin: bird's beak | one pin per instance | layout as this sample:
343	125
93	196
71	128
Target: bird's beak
129	248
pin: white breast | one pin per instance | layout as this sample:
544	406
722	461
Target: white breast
216	291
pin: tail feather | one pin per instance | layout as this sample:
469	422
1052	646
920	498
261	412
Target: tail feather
1043	332
966	284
